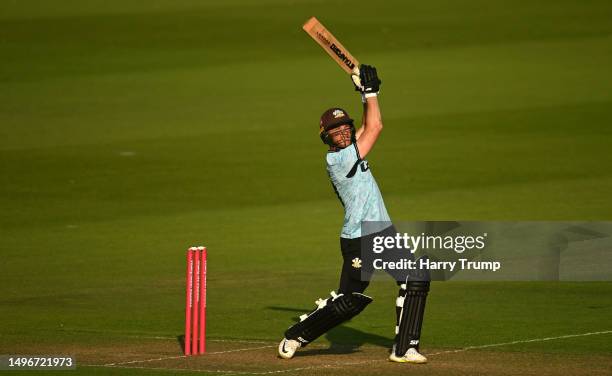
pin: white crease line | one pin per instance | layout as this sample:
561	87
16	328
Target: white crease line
140	361
183	356
246	349
209	340
333	365
522	341
231	372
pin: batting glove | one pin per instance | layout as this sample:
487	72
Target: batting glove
369	80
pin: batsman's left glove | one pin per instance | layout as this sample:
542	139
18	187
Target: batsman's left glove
367	82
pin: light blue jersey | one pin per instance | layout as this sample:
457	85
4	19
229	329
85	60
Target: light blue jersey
357	190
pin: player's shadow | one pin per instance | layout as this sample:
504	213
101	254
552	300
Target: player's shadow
343	339
181	341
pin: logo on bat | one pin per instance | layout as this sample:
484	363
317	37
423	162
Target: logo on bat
342	56
323	38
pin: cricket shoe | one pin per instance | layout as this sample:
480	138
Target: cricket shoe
411	356
288	347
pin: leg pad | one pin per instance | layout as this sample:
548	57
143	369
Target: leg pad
329	313
411	318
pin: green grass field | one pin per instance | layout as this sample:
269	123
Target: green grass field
131	130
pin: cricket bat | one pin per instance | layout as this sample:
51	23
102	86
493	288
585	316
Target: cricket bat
331	45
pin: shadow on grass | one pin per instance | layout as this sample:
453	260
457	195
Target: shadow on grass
181	341
343	339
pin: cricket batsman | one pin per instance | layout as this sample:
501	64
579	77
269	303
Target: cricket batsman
358	193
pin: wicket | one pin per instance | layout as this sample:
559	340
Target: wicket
195	302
